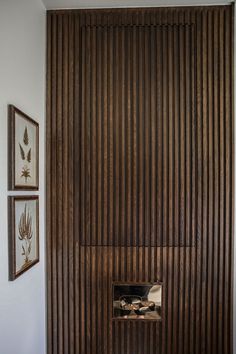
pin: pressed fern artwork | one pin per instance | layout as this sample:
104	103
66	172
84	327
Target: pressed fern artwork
26	137
25	156
23	234
29	156
23	151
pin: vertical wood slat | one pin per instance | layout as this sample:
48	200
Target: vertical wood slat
59	131
191	321
74	133
221	177
65	180
229	171
216	170
195	91
204	203
210	176
198	250
54	181
189	186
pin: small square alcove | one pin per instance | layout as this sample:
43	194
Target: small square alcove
135	301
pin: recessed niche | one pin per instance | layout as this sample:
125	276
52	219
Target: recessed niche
137	301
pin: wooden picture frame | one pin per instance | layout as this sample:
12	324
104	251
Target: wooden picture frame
23	151
23	219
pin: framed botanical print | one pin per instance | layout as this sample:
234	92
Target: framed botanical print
23	234
23	140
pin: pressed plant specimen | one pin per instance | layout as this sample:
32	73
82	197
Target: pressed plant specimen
25	170
25	234
23	147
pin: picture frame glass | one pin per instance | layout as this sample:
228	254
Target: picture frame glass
26	234
25	152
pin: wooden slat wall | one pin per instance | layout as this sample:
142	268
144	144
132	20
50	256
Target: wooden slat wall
140	177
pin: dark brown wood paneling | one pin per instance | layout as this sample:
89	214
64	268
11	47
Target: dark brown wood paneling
60	167
140	177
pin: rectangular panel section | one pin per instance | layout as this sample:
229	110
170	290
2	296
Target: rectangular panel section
101	268
138	136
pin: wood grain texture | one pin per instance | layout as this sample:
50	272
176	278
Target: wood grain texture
140	177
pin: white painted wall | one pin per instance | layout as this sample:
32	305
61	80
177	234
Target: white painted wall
22	83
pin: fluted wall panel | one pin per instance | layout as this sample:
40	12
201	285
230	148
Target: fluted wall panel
140	177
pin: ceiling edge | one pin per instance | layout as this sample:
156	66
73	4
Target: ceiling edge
223	3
